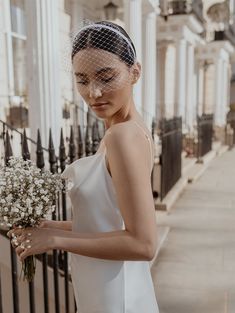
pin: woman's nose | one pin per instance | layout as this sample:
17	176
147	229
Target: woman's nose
94	91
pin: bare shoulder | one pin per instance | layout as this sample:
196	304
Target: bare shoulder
127	142
127	132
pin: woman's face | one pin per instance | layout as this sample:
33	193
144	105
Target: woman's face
103	80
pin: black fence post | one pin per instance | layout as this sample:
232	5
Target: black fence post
26	156
63	157
54	169
41	164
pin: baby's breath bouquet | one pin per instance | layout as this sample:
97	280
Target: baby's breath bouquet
27	195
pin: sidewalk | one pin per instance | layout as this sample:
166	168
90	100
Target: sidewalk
195	269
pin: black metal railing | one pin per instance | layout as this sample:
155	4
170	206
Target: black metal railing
205	134
171	137
58	260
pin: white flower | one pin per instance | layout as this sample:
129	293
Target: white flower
28	202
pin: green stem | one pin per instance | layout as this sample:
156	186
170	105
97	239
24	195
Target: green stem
28	268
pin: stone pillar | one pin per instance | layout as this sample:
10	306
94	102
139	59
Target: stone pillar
77	16
190	92
170	73
45	107
6	58
209	88
200	89
218	91
219	100
133	23
181	78
161	83
7	41
149	103
224	106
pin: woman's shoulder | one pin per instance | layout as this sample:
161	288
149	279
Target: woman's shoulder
128	130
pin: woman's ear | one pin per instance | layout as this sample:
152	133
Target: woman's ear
136	71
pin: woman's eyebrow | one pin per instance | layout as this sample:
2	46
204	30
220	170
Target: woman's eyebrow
104	70
80	74
98	72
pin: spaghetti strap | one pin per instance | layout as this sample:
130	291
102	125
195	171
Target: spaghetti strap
150	145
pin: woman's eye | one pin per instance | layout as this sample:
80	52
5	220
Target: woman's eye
106	80
82	82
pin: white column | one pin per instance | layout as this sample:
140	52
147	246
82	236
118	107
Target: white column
190	99
180	78
161	73
200	89
133	25
150	67
45	108
170	73
224	107
10	67
218	91
77	16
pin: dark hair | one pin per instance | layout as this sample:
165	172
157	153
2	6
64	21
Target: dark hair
87	38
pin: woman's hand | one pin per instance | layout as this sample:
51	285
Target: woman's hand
31	240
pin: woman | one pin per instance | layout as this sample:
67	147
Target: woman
113	235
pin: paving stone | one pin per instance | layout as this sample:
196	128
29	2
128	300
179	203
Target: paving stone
172	300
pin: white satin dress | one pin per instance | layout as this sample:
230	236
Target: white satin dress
104	286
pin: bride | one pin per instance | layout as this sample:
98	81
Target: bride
113	233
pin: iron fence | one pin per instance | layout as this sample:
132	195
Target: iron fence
205	134
171	137
57	260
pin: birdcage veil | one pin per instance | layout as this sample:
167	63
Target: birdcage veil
94	52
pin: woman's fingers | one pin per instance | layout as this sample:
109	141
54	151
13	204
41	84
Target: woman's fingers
19	231
14	232
20	249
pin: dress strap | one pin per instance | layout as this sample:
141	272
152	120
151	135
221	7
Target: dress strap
150	145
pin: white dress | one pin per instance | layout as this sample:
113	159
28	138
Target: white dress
104	286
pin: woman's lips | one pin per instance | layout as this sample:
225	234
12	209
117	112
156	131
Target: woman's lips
100	106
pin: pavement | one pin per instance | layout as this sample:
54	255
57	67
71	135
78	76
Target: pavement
194	269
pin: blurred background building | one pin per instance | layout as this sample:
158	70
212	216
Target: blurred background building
186	94
186	49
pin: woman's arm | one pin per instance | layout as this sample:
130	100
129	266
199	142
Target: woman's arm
63	225
116	245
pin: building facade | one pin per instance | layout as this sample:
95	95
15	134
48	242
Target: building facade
184	47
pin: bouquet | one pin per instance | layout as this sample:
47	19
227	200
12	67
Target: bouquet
27	195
